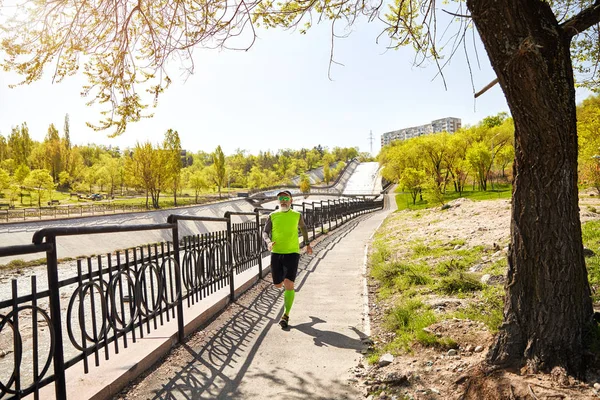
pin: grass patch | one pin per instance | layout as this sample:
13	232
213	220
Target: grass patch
17	264
407	320
400	276
446	268
590	233
459	282
489	308
404	200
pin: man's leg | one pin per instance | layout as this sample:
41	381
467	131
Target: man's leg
288	283
288	295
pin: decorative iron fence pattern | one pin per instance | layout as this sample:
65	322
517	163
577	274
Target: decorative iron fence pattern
116	299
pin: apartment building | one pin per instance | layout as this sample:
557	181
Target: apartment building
448	124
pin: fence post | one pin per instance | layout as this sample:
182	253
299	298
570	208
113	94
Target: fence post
230	257
60	387
259	244
178	286
314	213
322	219
329	214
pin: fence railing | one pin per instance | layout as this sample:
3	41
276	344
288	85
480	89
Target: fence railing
66	211
116	299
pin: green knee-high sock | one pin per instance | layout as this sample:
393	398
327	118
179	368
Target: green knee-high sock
288	300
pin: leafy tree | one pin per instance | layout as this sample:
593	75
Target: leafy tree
3	148
64	180
257	178
20	176
219	172
53	152
327	173
13	193
90	177
4	180
413	181
496	120
172	146
312	158
591	173
304	183
455	159
9	165
479	157
198	182
66	146
38	157
533	46
111	172
433	149
20	144
41	181
147	169
505	157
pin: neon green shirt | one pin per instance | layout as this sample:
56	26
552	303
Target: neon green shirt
284	231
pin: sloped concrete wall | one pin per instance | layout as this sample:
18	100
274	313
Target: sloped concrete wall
75	246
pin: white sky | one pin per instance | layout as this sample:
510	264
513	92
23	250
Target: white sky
277	95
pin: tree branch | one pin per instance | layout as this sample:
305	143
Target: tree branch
582	21
457	15
486	88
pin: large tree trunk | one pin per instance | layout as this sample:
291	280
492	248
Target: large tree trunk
548	306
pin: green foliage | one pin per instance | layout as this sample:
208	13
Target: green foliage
486	308
413	181
304	183
16	264
459	282
219	173
590	233
41	181
408	320
404	200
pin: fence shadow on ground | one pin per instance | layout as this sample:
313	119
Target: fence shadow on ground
215	360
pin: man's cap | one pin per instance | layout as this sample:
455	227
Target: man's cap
284	193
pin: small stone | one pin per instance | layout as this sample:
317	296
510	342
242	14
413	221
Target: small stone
478	349
597	386
386	359
434	390
452	352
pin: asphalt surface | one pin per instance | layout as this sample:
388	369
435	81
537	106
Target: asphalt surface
245	354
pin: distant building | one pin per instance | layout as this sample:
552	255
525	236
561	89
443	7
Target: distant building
449	124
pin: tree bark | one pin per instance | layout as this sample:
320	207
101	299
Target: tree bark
548	306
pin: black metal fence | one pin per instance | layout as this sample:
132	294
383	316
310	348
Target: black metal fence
114	300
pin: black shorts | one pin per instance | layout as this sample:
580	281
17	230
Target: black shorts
284	266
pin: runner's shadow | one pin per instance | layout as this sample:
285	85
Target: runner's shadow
330	338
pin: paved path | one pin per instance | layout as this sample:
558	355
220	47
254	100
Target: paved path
244	354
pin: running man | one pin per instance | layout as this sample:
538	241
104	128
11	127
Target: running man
281	236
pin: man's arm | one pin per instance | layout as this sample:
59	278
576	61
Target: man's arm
267	232
303	230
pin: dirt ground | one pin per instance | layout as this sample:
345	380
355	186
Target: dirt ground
447	374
